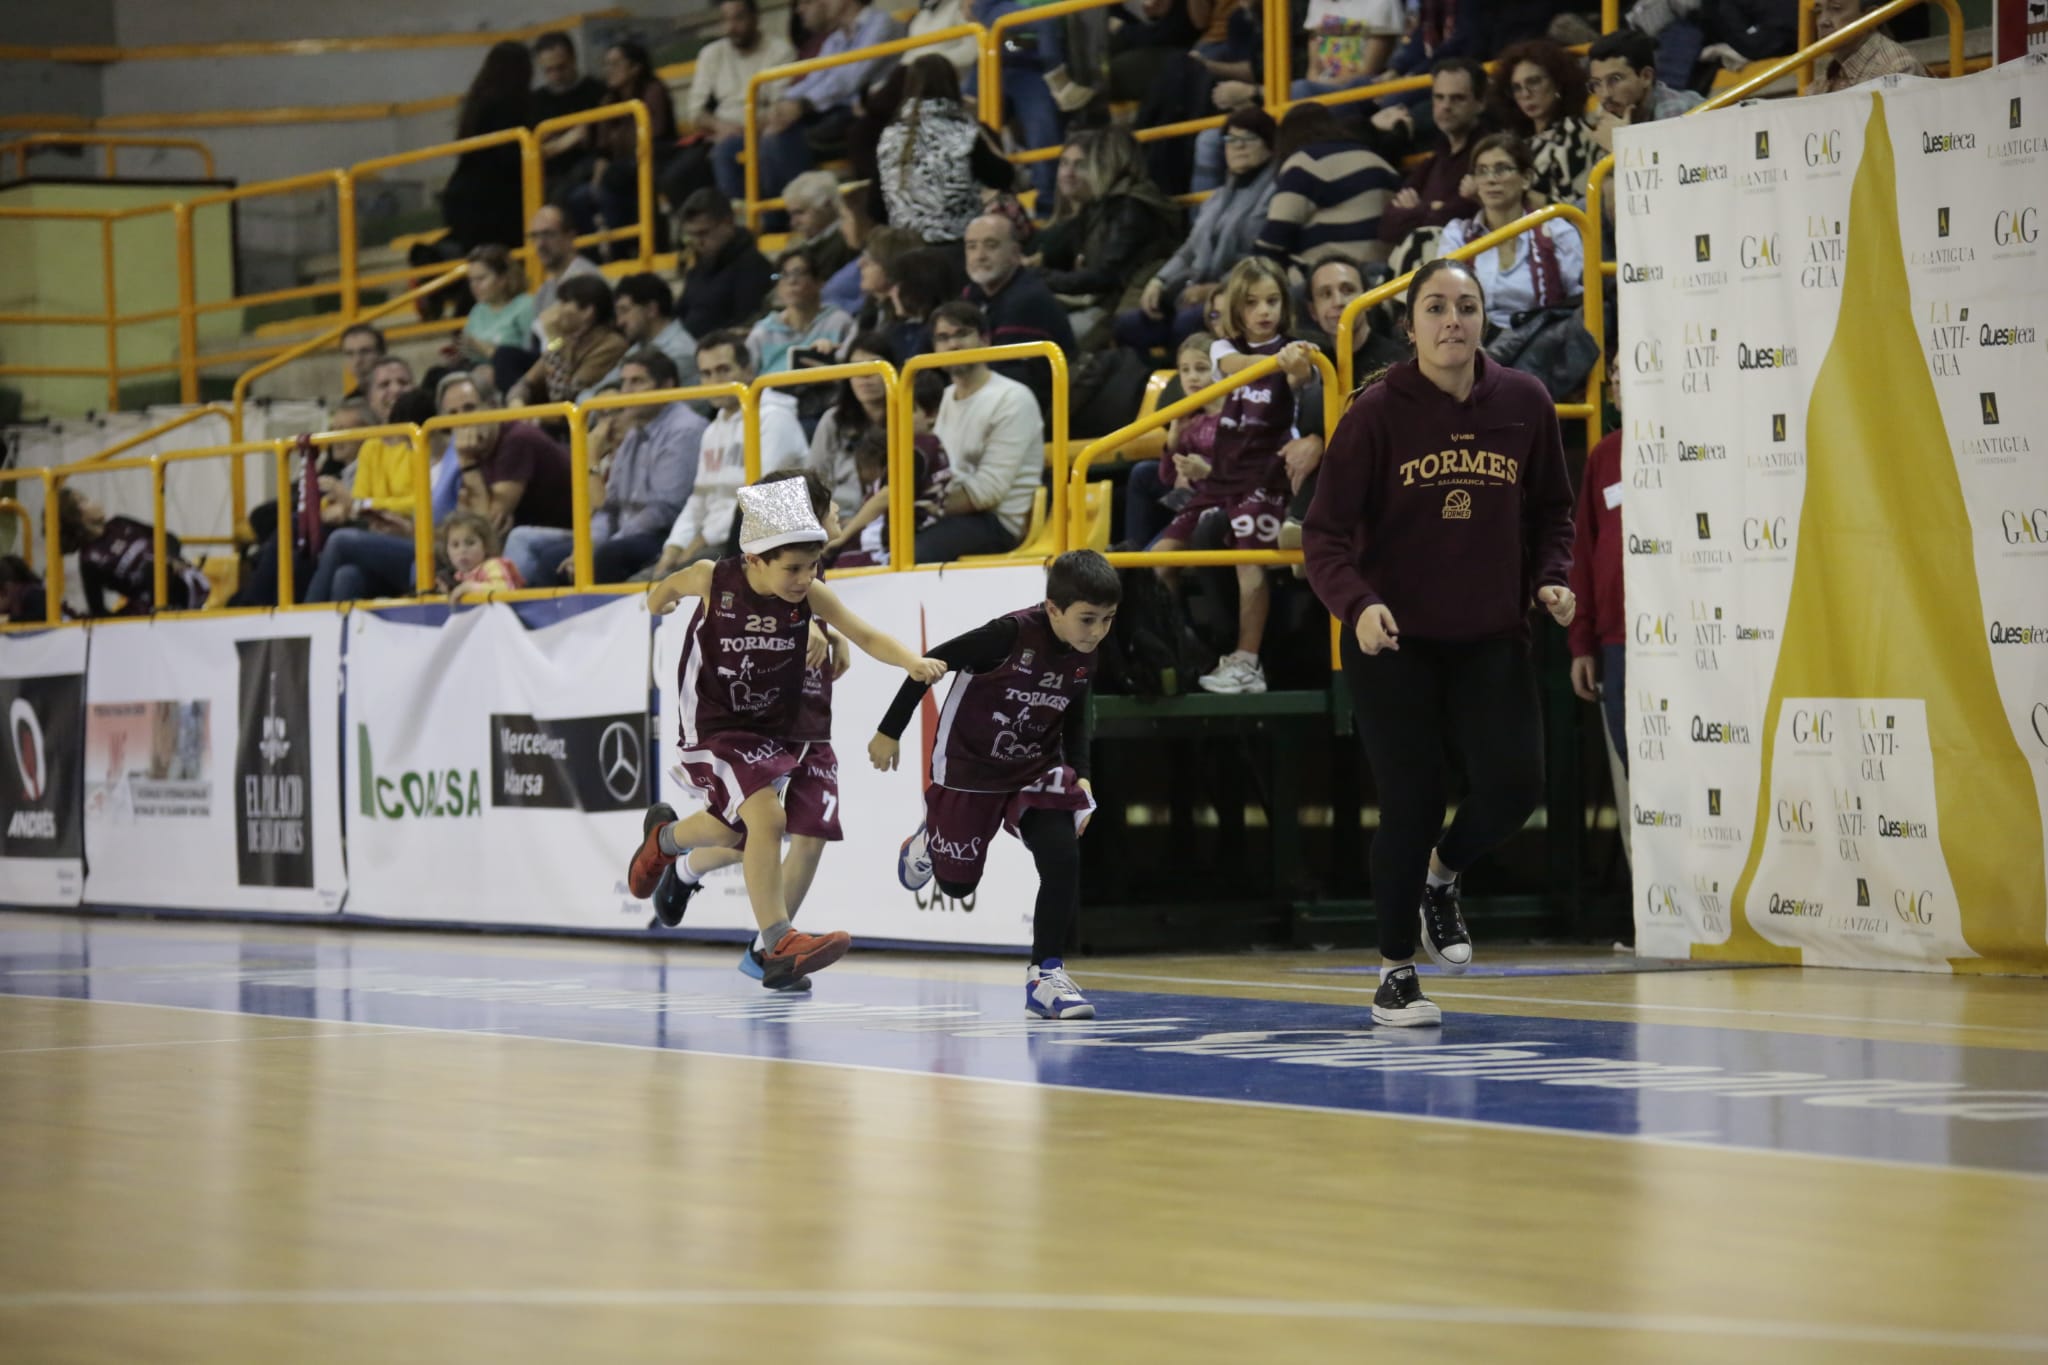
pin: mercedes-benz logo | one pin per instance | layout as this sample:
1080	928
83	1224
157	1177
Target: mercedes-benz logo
618	758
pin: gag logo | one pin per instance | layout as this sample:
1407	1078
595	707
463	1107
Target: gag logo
1795	817
1760	252
1660	901
1652	630
2025	528
1649	357
1766	533
1824	149
1915	908
1813	727
2022	227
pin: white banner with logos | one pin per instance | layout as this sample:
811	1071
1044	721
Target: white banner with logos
497	775
42	841
1833	346
210	762
856	888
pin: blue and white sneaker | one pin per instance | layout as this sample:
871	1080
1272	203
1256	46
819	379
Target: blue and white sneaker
914	863
750	965
1050	993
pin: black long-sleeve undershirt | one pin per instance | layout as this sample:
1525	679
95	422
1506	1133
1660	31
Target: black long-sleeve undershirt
979	650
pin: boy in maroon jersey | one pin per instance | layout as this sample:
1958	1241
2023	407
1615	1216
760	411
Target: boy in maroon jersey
810	797
1012	753
741	684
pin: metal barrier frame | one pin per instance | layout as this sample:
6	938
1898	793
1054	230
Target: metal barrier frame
22	147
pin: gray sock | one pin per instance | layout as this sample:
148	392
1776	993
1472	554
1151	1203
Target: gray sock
665	840
772	935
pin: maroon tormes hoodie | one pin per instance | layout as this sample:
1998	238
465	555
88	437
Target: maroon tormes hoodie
1450	513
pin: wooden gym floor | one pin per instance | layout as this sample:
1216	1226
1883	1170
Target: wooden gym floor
229	1143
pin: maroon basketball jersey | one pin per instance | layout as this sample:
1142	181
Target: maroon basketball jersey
743	659
1000	730
1257	421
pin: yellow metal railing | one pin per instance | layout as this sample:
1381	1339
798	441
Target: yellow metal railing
643	154
103	55
161	429
751	155
351	284
112	143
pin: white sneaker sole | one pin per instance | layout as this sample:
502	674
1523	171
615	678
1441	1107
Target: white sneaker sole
1084	1010
905	874
1423	1014
1450	968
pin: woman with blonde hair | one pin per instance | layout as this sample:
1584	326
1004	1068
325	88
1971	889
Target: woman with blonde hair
1099	260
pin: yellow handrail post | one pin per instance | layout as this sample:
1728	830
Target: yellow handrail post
160	534
188	319
643	150
53	555
1275	33
113	313
345	230
1610	15
579	454
535	412
582	553
530	190
422	516
1805	41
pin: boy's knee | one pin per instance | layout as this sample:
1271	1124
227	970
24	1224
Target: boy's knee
955	890
764	819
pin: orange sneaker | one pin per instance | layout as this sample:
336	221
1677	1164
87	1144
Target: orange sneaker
798	954
643	874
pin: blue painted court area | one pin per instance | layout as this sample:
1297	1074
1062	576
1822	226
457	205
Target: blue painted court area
1978	1107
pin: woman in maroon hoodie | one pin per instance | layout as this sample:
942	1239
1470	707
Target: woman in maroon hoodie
1444	508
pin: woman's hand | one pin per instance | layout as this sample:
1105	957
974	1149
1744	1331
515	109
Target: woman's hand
1559	602
1302	456
1377	631
1151	302
1586	677
1468	188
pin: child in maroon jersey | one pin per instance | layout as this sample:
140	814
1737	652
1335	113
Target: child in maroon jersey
810	796
120	553
1247	481
742	676
1012	753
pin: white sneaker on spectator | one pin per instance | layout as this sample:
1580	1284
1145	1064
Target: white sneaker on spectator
1236	672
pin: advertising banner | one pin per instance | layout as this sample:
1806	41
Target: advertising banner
42	841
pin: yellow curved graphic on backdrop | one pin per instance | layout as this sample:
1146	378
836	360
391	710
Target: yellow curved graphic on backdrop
1885	599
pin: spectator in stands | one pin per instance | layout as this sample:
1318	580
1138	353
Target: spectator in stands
362	346
717	102
23	596
934	159
1016	304
1160	488
812	202
1350	43
1865	59
1623	68
810	121
881	257
1435	192
564	89
842	287
728	276
645	310
373	556
554	244
612	191
702	528
1227	229
990	427
923	279
1026	97
512	473
1725	34
863	538
467	562
860	406
643	465
1540	269
1442	29
1332	195
502	314
483	201
457	392
963	53
1541	98
585	342
1098	260
119	554
803	324
334	469
1598	634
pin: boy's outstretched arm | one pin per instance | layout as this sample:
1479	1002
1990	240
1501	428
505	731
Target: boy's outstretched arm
693	581
872	642
977	651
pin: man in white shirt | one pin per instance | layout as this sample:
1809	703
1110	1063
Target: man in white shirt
704	526
990	427
717	102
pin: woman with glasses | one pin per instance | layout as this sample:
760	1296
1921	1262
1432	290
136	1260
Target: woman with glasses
1543	102
1542	268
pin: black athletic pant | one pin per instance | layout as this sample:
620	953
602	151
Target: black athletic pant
1056	848
1414	706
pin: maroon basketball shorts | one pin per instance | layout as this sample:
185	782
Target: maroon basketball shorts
810	799
1255	519
960	825
728	767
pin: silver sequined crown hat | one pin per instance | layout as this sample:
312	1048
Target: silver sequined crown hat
776	514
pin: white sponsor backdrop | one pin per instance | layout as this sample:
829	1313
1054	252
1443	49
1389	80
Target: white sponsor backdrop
856	888
1734	234
40	783
166	799
473	748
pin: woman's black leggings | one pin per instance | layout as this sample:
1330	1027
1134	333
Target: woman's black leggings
1056	849
1414	706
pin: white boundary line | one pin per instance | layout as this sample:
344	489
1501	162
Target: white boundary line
170	1042
1146	1304
1437	994
1503	1125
